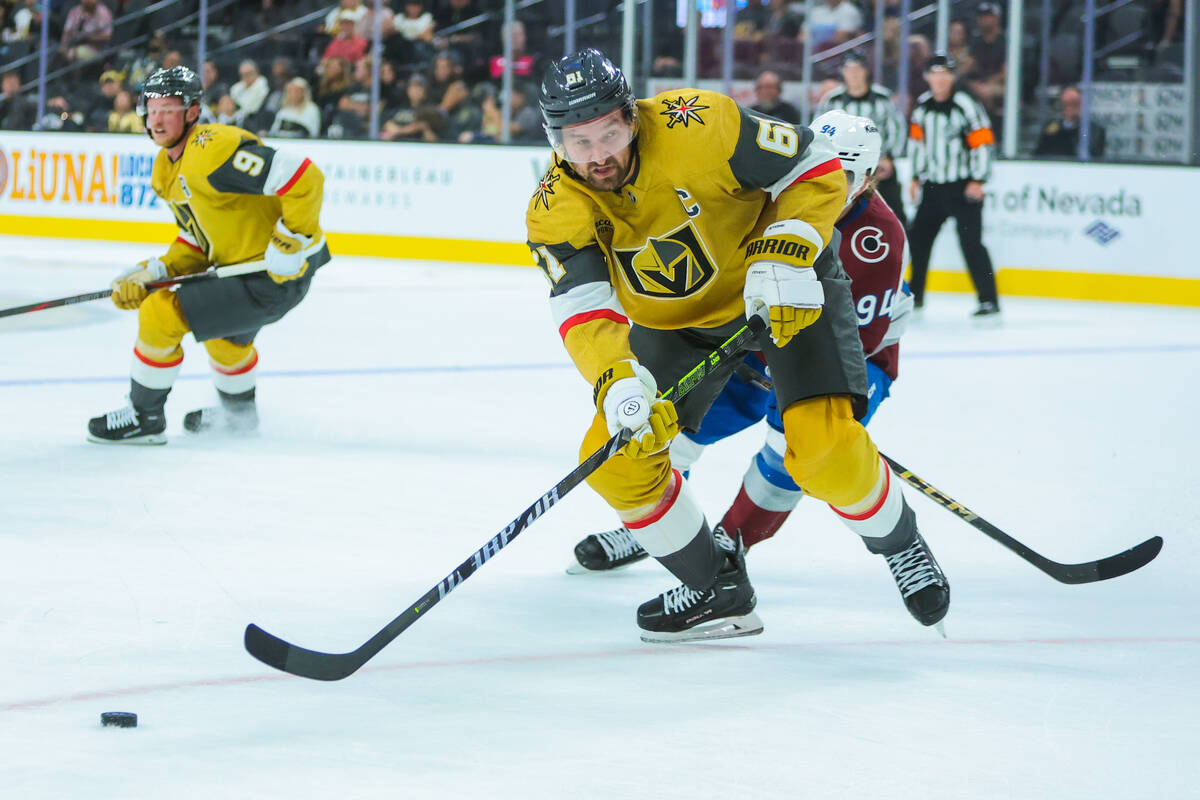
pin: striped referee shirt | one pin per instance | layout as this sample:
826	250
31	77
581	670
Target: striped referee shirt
950	141
877	106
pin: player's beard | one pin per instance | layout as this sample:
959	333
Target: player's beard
614	177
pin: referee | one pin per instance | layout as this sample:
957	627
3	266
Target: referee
951	143
859	97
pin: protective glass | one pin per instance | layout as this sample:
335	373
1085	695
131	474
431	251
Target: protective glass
594	141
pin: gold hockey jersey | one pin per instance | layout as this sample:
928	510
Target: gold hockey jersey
714	188
227	190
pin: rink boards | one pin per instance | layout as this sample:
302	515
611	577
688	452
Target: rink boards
1081	231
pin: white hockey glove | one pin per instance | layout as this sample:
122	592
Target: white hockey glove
287	254
789	298
625	395
129	288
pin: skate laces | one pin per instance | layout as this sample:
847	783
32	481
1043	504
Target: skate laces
617	543
913	569
121	418
680	598
724	540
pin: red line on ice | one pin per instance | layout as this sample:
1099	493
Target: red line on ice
655	650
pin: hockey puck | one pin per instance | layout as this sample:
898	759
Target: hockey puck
118	719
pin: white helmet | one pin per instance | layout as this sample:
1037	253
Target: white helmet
857	142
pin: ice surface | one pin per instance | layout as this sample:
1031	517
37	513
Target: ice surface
410	410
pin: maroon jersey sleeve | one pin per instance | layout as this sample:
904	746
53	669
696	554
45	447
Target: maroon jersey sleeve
874	253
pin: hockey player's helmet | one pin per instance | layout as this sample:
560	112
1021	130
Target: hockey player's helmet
585	87
858	144
180	82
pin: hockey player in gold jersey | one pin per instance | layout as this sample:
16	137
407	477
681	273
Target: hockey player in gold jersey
661	225
235	200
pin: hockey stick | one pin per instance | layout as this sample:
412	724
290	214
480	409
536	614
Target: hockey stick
219	272
275	652
1088	572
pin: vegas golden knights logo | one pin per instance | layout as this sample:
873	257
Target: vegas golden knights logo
673	265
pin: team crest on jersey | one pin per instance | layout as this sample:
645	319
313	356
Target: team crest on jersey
546	188
674	265
682	111
202	138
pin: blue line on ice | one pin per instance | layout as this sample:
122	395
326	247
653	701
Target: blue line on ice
450	368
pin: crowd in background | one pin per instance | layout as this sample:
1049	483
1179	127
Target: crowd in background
442	59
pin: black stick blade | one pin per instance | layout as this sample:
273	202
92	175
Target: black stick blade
285	657
1134	558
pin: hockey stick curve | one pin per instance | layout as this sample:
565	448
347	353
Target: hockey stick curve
1102	569
219	272
287	657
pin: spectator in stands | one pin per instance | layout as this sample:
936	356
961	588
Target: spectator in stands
27	18
491	120
833	22
214	87
458	110
420	121
333	81
88	29
282	71
227	111
391	90
526	125
1060	137
525	64
347	43
356	10
172	58
469	42
60	116
123	118
768	97
775	19
416	24
251	90
1164	22
142	66
299	116
919	53
99	104
958	45
446	72
8	29
989	49
16	110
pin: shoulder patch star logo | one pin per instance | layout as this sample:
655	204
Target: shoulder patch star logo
683	111
202	138
546	188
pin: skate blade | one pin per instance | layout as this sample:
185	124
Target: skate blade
727	628
940	627
153	438
575	568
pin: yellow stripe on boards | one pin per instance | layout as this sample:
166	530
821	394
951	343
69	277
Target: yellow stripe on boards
1012	281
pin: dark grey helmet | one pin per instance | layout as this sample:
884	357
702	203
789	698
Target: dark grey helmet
581	86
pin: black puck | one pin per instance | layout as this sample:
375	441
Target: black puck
118	719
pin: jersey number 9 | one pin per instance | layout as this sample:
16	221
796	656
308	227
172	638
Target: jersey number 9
248	163
778	137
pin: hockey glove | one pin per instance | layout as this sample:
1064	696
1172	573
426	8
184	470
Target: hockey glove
625	395
286	254
789	298
129	288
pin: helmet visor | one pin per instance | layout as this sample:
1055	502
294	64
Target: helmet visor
594	141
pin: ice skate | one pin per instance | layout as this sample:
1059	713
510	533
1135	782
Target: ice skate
922	584
128	426
606	551
236	414
723	611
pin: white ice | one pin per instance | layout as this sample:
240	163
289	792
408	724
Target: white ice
410	410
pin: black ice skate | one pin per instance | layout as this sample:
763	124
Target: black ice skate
236	414
606	551
987	314
724	611
922	584
129	425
